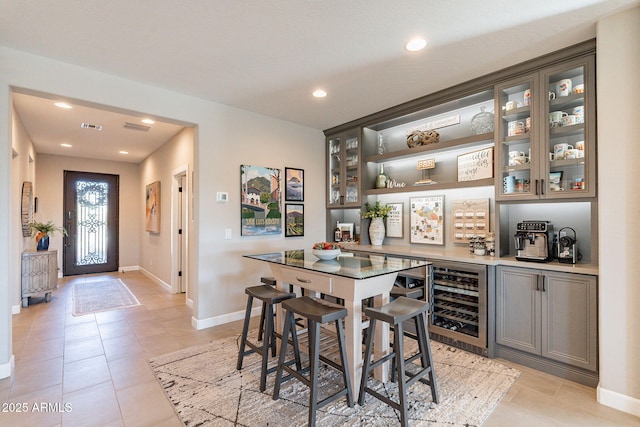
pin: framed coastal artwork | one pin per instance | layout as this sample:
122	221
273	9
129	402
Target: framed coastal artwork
261	211
427	220
294	220
152	207
294	184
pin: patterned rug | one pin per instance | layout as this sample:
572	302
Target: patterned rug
104	295
206	390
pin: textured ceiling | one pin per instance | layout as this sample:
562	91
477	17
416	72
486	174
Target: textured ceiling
267	56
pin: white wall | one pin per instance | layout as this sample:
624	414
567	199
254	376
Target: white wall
49	190
225	138
618	51
155	248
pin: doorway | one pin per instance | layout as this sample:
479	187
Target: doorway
180	229
91	219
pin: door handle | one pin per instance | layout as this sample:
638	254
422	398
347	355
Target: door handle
543	287
537	189
542	187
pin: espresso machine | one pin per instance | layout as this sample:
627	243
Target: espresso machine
533	241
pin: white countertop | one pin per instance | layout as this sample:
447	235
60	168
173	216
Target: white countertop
463	255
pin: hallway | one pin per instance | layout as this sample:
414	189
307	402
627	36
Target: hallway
97	365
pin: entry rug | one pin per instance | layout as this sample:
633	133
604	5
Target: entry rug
206	390
103	295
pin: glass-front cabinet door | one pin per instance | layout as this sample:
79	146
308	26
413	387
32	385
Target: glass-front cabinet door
518	161
569	129
343	163
546	138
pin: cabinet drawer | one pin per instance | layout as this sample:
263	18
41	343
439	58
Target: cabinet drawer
308	280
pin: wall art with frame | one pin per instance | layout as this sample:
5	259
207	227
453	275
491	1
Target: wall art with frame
395	220
294	183
427	220
261	211
152	207
294	219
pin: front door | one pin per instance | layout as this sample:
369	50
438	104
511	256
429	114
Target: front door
91	219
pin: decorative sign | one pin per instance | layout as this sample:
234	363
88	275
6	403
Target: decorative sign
476	165
429	163
427	220
470	219
437	124
394	220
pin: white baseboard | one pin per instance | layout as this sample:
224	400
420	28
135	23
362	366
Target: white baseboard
221	320
15	309
6	369
189	303
125	268
156	279
619	401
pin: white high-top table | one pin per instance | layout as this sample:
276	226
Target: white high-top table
351	278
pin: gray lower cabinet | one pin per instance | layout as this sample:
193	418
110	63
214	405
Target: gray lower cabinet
548	314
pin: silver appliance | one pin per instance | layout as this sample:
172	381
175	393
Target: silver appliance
567	246
532	241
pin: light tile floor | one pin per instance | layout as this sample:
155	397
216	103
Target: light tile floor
97	365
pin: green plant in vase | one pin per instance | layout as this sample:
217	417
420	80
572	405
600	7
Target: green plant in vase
41	231
377	213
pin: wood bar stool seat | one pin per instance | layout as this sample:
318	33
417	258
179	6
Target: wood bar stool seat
400	291
269	297
395	313
317	312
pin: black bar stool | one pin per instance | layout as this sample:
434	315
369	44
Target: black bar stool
317	312
413	293
395	313
269	297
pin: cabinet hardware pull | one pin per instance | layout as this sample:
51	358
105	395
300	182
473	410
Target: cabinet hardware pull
537	282
303	280
542	187
537	191
543	287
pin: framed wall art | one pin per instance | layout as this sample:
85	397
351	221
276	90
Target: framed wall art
427	220
294	219
261	212
294	182
476	165
152	208
395	220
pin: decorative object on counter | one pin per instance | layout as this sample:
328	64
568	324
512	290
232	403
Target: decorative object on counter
377	213
470	219
42	231
346	231
326	250
395	220
476	165
482	122
382	178
427	220
417	138
337	233
491	244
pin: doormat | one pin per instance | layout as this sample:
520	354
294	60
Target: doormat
206	390
103	295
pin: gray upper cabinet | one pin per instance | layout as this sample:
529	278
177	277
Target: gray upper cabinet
549	314
546	141
343	169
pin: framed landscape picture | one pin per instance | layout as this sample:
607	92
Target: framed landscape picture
427	220
294	219
294	183
260	189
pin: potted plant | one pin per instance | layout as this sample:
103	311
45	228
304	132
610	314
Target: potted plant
377	213
41	231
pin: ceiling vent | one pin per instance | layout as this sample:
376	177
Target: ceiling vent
90	126
134	126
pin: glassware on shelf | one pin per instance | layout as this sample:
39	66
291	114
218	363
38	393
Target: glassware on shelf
482	122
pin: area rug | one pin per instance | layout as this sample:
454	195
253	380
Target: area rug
103	295
206	390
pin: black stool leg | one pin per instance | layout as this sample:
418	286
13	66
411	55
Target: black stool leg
245	330
314	361
425	350
266	344
283	351
262	318
343	361
398	343
367	360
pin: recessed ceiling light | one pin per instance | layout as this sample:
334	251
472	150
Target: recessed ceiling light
319	93
148	121
65	145
415	45
123	152
62	105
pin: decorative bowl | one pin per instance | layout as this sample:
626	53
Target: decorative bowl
326	254
327	266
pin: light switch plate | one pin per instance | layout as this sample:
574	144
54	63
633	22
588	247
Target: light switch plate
222	197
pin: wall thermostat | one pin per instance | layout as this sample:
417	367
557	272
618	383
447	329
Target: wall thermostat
222	197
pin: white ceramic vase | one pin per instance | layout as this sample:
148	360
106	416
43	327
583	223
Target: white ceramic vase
376	231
